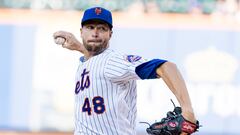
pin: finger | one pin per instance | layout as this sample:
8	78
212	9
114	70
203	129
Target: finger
60	34
56	34
65	45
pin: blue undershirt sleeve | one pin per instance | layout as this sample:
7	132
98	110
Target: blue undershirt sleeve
147	70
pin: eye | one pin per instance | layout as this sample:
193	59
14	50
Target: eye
90	27
102	28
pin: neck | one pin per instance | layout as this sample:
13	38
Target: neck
90	54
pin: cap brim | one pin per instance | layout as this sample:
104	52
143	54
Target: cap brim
96	20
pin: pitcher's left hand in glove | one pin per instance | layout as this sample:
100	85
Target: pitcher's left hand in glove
173	124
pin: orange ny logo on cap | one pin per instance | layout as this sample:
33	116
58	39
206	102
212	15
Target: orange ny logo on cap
98	11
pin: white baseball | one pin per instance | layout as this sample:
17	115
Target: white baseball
59	40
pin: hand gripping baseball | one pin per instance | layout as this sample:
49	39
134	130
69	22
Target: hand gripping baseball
68	40
173	124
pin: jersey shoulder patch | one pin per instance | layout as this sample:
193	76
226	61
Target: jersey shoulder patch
133	58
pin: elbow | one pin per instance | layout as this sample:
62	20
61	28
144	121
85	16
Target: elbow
166	67
170	65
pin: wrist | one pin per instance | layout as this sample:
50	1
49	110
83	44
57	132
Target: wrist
189	115
77	46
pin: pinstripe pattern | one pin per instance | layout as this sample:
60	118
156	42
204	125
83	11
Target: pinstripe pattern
113	79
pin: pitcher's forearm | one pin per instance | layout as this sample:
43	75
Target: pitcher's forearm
172	77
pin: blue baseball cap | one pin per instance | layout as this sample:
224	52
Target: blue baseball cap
97	13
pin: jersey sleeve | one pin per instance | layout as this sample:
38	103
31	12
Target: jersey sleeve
121	68
147	70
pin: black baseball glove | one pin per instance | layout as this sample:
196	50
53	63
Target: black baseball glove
173	124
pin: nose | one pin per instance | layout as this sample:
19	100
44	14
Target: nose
95	33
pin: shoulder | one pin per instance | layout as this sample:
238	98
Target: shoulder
114	55
133	58
126	57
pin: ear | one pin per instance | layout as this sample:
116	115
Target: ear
110	34
81	31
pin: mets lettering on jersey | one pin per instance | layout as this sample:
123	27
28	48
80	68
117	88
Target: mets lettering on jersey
106	94
85	82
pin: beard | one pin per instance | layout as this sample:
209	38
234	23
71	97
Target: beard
95	48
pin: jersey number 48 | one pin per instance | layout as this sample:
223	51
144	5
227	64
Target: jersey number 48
98	105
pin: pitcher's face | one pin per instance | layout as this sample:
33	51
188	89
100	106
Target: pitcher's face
96	36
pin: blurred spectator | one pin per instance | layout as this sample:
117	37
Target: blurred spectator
227	6
174	6
207	6
15	3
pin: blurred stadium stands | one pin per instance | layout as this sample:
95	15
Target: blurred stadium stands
172	6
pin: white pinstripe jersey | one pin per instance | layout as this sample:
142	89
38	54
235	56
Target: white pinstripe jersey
105	95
